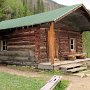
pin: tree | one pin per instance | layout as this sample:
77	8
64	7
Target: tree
13	9
1	10
40	6
28	7
34	10
10	9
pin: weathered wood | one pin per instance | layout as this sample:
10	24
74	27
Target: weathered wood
51	42
17	53
25	45
64	44
37	41
52	83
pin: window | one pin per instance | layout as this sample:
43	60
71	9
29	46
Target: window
72	44
3	45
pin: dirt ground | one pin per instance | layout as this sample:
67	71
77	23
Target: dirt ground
76	82
18	72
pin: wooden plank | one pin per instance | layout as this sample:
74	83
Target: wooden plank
76	69
52	83
69	66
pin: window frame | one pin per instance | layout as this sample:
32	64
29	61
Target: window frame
74	44
3	45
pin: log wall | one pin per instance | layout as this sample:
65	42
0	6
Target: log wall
63	42
29	46
24	46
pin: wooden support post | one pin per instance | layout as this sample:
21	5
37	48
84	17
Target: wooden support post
51	42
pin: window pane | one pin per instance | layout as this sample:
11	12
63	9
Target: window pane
3	47
72	47
71	41
3	42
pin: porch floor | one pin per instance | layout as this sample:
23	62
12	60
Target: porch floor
57	64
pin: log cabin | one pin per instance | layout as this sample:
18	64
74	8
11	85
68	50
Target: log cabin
44	37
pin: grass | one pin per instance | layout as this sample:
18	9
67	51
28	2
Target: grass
13	82
62	85
32	69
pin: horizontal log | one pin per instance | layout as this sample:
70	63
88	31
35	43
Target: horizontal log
30	38
20	63
21	35
16	58
22	46
21	43
17	53
21	49
43	50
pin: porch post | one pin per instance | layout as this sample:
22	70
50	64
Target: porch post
51	42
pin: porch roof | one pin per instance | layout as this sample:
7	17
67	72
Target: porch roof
39	18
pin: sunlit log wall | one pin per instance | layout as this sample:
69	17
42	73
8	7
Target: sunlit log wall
25	46
63	42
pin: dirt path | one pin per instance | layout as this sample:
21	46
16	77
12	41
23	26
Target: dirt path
77	83
18	72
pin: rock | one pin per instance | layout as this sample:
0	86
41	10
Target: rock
83	75
88	75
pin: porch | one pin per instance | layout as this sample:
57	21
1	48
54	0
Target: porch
58	64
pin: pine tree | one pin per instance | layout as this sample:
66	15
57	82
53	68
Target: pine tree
34	10
42	6
1	10
13	9
28	7
38	6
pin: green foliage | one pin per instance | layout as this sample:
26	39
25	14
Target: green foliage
35	10
13	9
13	82
28	7
53	72
62	85
86	42
10	9
40	7
1	10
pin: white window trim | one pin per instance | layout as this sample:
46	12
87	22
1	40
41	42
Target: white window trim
74	44
1	45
